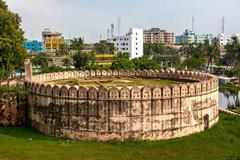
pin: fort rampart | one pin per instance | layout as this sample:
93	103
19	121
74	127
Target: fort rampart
123	113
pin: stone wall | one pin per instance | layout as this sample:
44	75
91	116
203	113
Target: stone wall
128	113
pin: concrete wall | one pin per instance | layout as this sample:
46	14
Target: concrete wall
128	113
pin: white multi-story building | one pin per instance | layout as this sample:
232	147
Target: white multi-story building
223	39
131	43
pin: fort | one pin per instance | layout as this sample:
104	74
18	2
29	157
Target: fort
128	112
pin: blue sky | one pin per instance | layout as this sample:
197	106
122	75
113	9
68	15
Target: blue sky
90	18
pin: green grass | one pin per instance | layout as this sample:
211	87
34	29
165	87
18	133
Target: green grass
219	143
117	82
235	109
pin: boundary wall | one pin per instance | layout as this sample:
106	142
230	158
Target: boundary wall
123	113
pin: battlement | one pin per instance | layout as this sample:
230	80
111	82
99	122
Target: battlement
123	113
206	83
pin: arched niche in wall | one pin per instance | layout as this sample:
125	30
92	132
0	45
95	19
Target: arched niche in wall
82	92
114	93
125	93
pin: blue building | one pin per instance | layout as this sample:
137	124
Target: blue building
33	46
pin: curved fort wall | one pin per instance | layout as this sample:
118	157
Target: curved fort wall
123	113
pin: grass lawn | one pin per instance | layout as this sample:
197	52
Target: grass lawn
117	82
219	143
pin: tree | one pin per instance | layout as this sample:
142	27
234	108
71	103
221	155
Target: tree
67	62
77	44
233	54
193	63
145	63
122	64
162	53
212	53
12	52
123	55
82	60
103	47
63	50
40	59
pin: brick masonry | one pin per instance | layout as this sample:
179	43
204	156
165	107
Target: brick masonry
127	113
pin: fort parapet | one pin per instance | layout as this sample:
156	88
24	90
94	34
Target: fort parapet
123	113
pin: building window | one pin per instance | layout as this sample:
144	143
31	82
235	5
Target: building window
136	43
136	54
136	38
136	48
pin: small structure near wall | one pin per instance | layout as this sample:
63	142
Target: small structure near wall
28	70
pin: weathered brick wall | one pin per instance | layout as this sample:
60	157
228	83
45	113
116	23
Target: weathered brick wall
138	113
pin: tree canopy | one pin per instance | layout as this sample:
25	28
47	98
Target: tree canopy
82	60
77	44
104	47
137	63
12	52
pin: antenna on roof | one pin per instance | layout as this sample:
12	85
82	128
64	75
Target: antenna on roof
193	22
223	24
112	30
108	34
119	25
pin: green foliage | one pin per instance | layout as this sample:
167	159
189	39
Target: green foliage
233	51
63	50
155	48
40	59
123	55
162	53
104	47
8	92
222	142
145	63
52	69
230	72
4	74
200	55
77	44
67	62
96	67
123	64
230	87
193	63
233	54
137	63
82	60
12	52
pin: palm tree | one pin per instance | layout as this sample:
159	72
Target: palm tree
212	53
77	44
233	53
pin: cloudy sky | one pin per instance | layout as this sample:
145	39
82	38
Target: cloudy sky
90	18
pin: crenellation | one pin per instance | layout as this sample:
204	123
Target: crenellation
122	113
